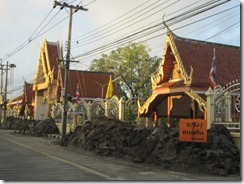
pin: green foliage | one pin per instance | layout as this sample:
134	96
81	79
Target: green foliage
135	66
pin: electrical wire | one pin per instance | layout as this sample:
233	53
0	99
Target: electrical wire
31	38
145	40
222	31
91	33
107	31
125	39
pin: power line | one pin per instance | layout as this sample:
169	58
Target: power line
176	19
31	38
153	37
210	24
41	23
108	33
222	31
114	20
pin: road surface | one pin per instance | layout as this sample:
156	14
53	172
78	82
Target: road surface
28	158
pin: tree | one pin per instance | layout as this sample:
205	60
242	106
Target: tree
135	66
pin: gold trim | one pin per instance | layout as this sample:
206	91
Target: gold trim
156	78
201	103
144	108
187	79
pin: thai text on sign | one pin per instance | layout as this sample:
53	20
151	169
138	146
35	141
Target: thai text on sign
193	130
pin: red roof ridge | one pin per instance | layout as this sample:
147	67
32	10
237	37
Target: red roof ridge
52	43
202	41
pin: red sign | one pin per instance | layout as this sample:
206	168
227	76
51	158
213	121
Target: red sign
193	130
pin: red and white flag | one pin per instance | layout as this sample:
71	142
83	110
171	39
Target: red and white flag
212	74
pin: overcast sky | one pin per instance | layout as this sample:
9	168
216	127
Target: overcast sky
107	25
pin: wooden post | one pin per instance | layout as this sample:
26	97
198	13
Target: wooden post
155	118
169	111
205	114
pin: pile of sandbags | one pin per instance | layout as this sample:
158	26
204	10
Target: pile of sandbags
159	146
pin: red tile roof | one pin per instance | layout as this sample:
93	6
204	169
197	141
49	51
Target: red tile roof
199	55
53	54
91	84
29	93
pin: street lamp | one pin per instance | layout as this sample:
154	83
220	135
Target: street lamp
102	85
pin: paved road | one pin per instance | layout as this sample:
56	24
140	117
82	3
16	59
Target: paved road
27	158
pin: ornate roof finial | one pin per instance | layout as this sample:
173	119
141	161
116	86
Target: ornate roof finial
168	30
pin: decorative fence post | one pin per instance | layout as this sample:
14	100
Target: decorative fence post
107	109
210	107
89	111
228	107
121	109
74	120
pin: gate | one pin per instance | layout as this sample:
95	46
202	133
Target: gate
227	103
131	110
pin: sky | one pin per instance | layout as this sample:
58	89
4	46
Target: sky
107	25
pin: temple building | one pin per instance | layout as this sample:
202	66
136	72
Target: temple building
23	103
181	82
49	81
38	98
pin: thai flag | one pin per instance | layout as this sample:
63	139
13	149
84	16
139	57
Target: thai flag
77	94
212	77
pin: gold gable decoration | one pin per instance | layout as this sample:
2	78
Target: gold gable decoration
187	79
178	70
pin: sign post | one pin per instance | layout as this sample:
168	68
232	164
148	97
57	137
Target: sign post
193	130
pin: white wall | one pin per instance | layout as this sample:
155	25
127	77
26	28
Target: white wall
40	108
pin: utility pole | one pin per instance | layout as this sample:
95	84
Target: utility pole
5	95
67	64
5	100
1	92
1	68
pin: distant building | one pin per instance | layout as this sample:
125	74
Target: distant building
37	99
181	82
23	103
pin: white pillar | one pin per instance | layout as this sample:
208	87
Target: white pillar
210	107
107	109
121	109
88	111
228	107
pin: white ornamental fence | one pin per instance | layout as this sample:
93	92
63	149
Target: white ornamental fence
114	107
223	105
